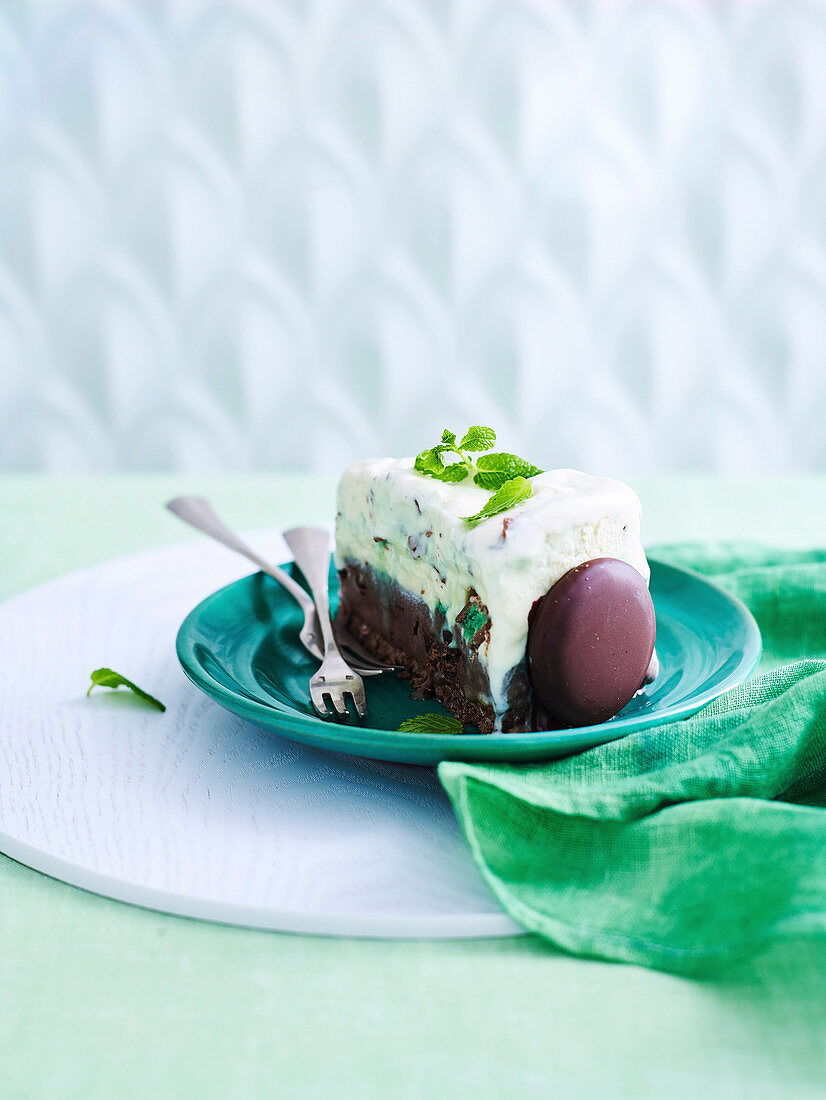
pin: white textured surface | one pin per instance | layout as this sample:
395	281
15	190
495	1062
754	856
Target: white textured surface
510	561
194	811
263	233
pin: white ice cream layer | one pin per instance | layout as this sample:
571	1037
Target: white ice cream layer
410	527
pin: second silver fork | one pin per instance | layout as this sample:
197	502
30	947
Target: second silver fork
335	681
199	513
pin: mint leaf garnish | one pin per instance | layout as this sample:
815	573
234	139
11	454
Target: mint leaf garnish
105	677
431	723
455	472
489	471
478	438
430	462
513	492
494	470
490	480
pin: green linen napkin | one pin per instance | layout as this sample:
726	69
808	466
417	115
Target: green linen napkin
688	845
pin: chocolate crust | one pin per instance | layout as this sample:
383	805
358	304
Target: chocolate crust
396	627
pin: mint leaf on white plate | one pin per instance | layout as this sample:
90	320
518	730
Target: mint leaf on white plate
108	678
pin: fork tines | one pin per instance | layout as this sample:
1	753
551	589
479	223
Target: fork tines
331	697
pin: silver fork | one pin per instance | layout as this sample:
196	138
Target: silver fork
198	513
335	680
310	548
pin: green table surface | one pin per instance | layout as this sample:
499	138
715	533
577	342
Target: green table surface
98	999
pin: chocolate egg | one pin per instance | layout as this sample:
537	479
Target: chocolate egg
590	641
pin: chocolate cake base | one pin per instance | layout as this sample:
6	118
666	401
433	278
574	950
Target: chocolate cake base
397	628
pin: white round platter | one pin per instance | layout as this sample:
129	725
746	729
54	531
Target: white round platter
194	811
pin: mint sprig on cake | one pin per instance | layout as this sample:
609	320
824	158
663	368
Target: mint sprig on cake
506	475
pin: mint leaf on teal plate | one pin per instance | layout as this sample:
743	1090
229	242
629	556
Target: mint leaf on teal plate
513	492
432	723
106	677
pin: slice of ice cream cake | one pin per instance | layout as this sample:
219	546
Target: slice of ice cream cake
453	600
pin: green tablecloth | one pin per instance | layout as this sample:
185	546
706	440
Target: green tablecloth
101	1000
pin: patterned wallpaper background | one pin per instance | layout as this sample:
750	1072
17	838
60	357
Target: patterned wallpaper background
267	234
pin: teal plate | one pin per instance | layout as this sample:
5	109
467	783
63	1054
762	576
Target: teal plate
241	647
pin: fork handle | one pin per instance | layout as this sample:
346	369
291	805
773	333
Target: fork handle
198	513
310	547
